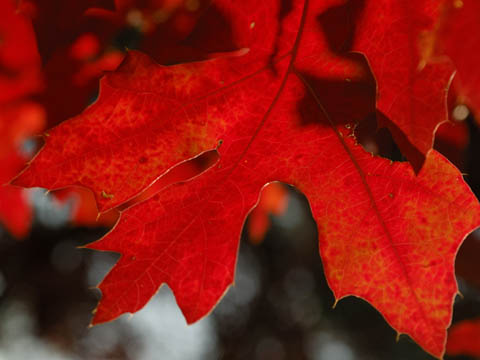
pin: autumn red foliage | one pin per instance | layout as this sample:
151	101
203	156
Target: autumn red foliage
463	338
223	97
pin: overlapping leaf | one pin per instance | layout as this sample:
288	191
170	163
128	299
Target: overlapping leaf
412	93
454	38
282	108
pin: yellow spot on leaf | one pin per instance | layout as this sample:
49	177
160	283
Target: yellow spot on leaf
106	196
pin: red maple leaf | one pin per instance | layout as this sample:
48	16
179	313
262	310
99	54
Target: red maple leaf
283	110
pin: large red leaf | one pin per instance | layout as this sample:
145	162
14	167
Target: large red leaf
284	110
411	92
377	239
129	110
